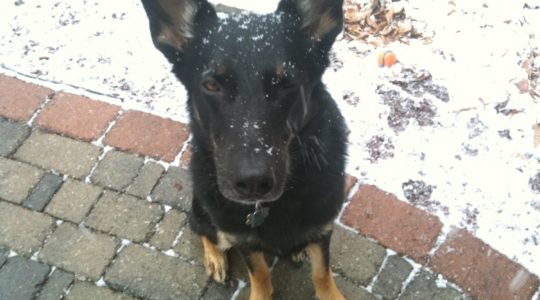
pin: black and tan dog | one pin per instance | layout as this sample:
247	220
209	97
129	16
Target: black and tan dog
269	141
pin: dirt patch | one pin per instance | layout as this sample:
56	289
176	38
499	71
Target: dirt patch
505	134
531	65
476	127
335	62
470	215
419	194
405	109
351	98
470	150
420	82
380	147
534	183
501	108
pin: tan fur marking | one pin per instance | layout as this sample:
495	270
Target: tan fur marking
181	14
315	18
280	71
215	260
325	286
225	240
325	24
327	228
221	70
260	279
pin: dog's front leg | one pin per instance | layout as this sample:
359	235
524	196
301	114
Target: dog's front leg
259	276
321	274
215	261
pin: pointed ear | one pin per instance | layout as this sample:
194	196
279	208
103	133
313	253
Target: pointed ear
173	22
321	19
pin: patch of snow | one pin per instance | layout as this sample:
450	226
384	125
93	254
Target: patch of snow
241	285
170	252
441	282
166	207
101	282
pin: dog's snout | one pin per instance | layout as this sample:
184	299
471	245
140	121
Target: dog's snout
253	182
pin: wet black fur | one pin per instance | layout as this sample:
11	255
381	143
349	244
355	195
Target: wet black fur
313	182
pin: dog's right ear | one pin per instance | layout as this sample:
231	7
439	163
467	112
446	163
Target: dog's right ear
173	23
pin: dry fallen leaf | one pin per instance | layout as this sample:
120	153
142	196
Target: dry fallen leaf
536	130
377	20
523	86
533	73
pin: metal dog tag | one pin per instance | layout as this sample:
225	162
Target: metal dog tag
257	217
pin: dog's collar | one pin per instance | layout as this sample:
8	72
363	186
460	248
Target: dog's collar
257	217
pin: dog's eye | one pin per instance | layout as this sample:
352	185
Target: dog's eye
211	86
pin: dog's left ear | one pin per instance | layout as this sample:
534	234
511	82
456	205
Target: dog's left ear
322	20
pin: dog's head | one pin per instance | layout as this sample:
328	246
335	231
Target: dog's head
250	80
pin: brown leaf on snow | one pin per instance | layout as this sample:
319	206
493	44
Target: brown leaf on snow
523	86
533	74
376	20
536	129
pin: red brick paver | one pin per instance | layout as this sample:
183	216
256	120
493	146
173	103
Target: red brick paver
77	117
394	223
18	99
149	135
481	270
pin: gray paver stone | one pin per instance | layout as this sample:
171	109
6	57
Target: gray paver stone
20	278
145	180
244	293
292	283
89	291
73	201
117	170
59	153
424	287
190	246
168	229
217	291
11	136
174	189
151	274
352	291
23	230
390	280
355	256
43	192
55	286
17	180
125	216
237	266
78	250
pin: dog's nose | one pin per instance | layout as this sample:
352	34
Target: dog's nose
253	183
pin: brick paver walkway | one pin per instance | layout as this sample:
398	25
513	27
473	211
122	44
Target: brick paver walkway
93	203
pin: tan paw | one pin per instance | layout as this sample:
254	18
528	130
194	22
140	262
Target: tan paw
299	257
216	265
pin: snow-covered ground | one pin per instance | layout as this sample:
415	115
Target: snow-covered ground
452	128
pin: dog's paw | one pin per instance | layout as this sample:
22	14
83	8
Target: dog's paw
297	259
216	265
